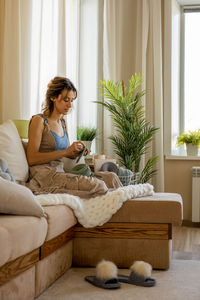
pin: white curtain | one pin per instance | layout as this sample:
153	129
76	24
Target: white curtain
15	58
39	41
133	43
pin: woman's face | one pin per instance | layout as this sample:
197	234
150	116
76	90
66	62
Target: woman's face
63	102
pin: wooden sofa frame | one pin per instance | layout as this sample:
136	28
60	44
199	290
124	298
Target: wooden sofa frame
107	231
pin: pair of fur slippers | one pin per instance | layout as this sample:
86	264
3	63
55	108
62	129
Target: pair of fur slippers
107	276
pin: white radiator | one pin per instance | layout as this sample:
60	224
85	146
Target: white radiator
195	194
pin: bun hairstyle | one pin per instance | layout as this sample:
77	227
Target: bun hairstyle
54	89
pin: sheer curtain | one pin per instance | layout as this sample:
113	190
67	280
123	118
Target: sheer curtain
133	43
39	40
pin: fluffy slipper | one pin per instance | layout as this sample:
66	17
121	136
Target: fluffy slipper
140	275
106	276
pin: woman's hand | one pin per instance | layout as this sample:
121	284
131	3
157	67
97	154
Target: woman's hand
74	150
87	152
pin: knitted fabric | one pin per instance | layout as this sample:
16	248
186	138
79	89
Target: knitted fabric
97	211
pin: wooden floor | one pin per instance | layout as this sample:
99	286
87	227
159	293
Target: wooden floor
186	242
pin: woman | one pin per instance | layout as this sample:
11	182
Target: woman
49	142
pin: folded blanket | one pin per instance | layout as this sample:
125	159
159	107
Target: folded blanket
97	211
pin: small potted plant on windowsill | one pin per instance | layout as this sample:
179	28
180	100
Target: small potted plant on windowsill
192	141
86	135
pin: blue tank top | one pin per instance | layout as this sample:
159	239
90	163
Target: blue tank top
61	142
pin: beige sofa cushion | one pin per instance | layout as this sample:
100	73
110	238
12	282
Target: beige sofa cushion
159	208
11	149
59	218
20	235
18	200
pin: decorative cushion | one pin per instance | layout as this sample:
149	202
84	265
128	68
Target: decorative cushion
18	200
22	128
11	149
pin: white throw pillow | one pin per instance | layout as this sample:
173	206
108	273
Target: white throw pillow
11	149
17	199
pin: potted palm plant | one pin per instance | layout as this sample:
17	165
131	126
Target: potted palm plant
86	135
134	132
192	141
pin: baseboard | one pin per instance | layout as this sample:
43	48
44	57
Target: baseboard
189	223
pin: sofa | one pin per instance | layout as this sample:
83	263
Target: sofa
38	244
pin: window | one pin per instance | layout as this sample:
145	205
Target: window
191	65
181	72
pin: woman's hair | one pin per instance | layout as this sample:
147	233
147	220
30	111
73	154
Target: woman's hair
55	88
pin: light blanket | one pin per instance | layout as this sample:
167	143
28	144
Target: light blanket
97	211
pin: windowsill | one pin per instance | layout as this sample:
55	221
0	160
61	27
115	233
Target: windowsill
181	157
